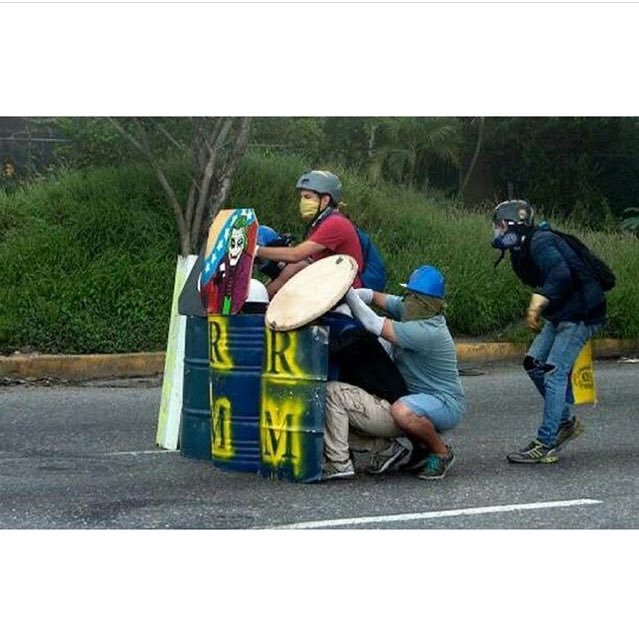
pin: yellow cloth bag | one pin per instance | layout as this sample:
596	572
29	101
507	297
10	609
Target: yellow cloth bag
582	377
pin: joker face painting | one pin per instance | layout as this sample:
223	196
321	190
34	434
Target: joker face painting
237	242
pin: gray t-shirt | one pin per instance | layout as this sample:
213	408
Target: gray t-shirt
426	356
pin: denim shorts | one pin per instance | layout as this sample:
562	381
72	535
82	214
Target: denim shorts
442	415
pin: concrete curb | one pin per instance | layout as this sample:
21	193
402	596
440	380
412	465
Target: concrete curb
468	351
83	367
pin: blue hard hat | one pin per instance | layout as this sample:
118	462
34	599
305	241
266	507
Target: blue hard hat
426	280
265	235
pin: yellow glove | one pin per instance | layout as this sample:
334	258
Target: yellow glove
533	314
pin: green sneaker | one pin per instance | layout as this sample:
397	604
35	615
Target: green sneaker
534	453
414	461
568	431
435	466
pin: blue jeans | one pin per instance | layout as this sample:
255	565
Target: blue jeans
549	362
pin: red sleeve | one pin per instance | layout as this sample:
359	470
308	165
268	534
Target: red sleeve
334	233
338	235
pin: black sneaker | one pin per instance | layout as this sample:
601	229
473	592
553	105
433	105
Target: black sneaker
435	466
534	453
385	461
569	430
414	461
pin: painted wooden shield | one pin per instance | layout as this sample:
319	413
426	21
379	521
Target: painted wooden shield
228	261
311	292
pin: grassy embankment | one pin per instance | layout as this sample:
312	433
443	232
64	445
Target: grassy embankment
87	259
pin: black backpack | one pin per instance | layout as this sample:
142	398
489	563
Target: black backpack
591	262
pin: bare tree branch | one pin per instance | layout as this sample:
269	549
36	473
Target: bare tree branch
172	140
144	148
241	142
205	182
215	154
480	136
190	205
221	134
130	138
219	123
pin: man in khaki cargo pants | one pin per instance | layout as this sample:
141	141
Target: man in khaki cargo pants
357	421
424	353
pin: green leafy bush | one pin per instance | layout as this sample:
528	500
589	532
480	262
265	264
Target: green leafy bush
88	257
88	262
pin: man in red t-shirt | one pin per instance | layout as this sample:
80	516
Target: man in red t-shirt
330	231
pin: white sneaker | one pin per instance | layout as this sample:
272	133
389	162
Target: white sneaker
331	471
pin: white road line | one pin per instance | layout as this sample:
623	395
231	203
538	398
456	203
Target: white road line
142	452
437	514
123	452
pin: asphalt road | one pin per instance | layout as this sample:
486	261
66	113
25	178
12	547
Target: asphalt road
83	457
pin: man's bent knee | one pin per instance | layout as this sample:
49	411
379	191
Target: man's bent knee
400	411
531	365
335	388
332	387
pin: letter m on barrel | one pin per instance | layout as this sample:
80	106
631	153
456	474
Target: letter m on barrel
279	433
292	403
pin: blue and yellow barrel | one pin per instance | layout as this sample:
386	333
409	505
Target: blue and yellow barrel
236	352
293	394
195	430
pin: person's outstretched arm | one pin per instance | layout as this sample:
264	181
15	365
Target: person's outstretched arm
371	321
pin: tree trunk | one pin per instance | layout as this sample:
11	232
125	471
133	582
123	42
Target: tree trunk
215	156
412	162
216	198
371	140
480	136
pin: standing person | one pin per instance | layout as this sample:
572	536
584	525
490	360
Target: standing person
329	231
570	300
424	353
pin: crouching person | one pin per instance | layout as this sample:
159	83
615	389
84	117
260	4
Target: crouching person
424	353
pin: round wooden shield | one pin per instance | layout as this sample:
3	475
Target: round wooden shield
311	292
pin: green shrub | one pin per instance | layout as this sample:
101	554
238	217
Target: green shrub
88	257
86	260
409	231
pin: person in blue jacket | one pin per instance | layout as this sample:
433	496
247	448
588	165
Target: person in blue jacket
568	302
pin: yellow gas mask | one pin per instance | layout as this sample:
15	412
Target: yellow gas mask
308	208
